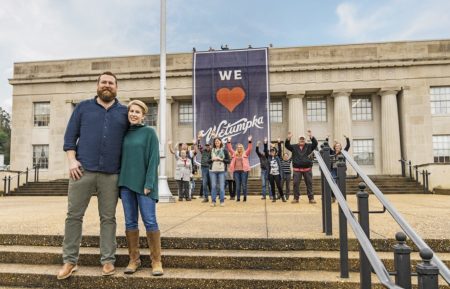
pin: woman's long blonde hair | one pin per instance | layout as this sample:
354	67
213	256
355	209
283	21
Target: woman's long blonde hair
237	153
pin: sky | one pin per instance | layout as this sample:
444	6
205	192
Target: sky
34	30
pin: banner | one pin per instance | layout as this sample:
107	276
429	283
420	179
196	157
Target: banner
231	96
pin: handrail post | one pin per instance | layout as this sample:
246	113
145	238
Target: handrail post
343	235
26	176
417	175
18	180
427	187
323	203
402	262
37	179
322	189
428	273
4	186
327	192
424	185
402	162
363	218
410	171
9	185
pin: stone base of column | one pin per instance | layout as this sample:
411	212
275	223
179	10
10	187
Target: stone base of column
165	196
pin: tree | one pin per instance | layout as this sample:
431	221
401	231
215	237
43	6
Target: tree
5	134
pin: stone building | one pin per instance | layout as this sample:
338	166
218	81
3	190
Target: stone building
392	99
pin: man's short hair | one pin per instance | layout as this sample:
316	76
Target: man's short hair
107	73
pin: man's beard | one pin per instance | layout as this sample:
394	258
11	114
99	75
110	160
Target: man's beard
106	94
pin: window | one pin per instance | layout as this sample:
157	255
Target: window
40	156
276	111
316	109
151	118
41	113
361	108
441	148
363	151
185	115
440	100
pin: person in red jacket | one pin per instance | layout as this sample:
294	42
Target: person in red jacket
240	166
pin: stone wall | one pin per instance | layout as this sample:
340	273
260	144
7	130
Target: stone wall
405	70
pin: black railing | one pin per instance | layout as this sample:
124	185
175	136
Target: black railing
408	166
8	179
427	271
430	259
363	240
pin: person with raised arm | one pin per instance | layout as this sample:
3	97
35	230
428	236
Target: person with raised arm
264	165
302	162
218	167
205	154
275	172
240	166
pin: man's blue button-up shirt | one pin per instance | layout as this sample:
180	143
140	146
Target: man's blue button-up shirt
96	134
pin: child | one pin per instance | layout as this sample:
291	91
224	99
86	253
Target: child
231	184
286	172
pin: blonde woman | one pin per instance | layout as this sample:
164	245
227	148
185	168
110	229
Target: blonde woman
138	182
240	166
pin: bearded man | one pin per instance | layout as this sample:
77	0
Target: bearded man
93	144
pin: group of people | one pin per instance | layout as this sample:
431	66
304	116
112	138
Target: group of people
224	166
111	152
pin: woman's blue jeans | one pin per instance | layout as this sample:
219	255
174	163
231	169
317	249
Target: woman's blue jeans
133	203
240	177
217	177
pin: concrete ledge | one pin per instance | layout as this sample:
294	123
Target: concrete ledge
263	244
207	259
90	278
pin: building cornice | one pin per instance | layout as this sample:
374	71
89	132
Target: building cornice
281	60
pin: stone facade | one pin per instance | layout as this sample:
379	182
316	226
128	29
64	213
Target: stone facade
395	76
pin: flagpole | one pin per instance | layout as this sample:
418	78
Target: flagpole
165	196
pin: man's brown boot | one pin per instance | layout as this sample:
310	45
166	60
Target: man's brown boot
154	243
133	251
66	271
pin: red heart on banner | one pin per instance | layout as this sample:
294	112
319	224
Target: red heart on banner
230	98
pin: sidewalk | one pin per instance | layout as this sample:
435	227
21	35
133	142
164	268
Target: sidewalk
429	215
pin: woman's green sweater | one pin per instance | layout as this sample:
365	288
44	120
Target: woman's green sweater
140	160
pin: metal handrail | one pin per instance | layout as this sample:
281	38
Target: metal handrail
366	245
417	240
7	180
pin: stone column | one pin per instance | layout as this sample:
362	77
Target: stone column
296	118
390	132
342	116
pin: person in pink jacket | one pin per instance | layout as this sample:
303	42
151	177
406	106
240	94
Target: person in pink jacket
240	166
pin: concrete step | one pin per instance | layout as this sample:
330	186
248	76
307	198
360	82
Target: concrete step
207	259
259	244
14	287
387	184
90	278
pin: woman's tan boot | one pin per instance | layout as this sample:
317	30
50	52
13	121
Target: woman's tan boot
133	251
154	244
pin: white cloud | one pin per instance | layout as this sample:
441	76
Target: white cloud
51	29
392	20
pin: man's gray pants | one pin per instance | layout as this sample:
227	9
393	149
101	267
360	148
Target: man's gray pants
308	182
79	195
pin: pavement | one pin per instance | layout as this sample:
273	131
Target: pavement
429	215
